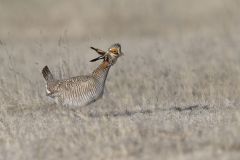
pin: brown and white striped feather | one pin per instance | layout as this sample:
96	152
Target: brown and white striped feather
77	91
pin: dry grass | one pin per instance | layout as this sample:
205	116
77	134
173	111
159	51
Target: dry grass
172	96
160	101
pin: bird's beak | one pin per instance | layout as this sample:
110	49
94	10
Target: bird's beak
98	58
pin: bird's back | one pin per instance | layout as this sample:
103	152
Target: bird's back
76	91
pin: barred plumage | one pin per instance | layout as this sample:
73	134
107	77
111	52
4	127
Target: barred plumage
82	90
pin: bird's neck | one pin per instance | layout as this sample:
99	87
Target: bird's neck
101	72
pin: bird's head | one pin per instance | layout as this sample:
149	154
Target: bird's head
111	55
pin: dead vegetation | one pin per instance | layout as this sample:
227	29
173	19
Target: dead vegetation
174	95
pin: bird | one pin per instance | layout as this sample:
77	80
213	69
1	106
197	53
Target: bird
84	89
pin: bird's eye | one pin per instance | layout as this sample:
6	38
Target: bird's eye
114	50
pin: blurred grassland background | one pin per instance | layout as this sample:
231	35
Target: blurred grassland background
91	19
174	95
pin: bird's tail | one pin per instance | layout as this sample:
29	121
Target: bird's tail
47	74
